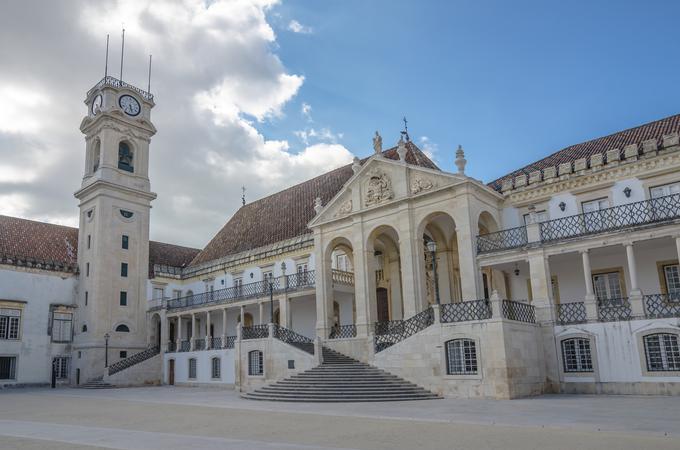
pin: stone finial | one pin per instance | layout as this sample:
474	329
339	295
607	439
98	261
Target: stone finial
377	143
460	160
401	149
356	165
317	205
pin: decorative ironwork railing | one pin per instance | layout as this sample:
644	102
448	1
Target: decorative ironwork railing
185	346
502	240
389	333
300	280
255	332
343	277
296	340
572	312
343	332
216	342
662	305
134	359
465	311
229	343
613	309
172	346
519	311
115	82
644	212
199	344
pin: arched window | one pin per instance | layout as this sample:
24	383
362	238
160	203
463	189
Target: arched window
84	328
662	352
125	157
215	363
192	368
255	363
576	355
122	328
461	357
248	322
96	155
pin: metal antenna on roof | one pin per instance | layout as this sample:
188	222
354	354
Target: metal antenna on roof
106	64
243	195
122	51
148	88
405	132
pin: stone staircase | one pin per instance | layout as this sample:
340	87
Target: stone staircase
341	379
96	383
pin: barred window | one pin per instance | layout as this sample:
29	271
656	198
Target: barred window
62	327
10	320
576	355
672	278
60	365
255	366
461	357
8	367
662	352
216	367
192	368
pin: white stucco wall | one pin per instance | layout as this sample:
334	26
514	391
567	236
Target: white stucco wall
203	367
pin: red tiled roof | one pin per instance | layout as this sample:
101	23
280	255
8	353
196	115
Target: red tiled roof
285	214
170	255
652	130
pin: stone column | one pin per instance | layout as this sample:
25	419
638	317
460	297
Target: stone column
541	287
589	301
193	331
364	280
637	310
243	315
208	335
677	246
261	308
410	255
324	287
165	331
224	327
179	332
284	311
467	258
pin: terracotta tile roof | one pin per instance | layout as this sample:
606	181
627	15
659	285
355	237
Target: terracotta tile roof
285	214
29	240
652	130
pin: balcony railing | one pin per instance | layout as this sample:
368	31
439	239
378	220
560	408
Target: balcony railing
185	346
465	311
290	337
343	277
656	210
115	82
613	309
573	312
662	305
255	332
301	280
343	332
502	240
389	333
518	311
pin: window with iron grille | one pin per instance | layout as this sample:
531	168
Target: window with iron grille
216	367
662	352
461	357
607	285
61	364
62	327
576	355
10	319
255	363
8	367
192	368
672	278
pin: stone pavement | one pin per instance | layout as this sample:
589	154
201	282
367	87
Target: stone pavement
181	418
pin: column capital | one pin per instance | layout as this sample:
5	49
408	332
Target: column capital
584	251
628	243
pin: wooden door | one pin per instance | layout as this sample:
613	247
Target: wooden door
171	372
383	305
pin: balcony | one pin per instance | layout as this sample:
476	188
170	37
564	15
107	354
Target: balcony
655	306
647	212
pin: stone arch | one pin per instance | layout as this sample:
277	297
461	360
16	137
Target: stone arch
487	223
126	152
384	267
440	227
339	262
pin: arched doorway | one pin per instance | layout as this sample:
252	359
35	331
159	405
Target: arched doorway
341	294
440	251
155	330
385	286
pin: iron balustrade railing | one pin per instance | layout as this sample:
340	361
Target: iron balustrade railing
389	333
572	312
301	280
343	277
662	305
229	343
199	344
502	240
656	210
185	346
216	342
115	82
518	311
343	332
134	359
613	309
465	311
292	338
172	346
255	332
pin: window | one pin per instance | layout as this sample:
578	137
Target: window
89	241
594	220
122	328
125	157
8	367
192	367
86	296
60	366
122	354
461	357
662	352
84	328
541	216
10	319
62	327
666	189
302	273
158	293
595	205
255	363
123	269
96	156
124	242
607	285
671	276
342	262
215	367
238	284
176	293
87	269
267	275
123	298
576	355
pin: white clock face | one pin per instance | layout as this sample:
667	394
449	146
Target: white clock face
129	105
96	104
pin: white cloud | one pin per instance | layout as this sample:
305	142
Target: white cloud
428	147
297	27
321	135
306	111
22	107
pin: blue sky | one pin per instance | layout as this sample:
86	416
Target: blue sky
511	81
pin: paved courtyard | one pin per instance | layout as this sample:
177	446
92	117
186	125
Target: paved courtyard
193	418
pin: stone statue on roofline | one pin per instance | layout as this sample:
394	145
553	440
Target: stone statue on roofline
377	143
318	206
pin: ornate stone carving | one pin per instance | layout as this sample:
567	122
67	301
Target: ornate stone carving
379	189
419	185
318	206
377	143
344	209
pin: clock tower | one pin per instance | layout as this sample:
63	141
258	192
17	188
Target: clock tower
113	242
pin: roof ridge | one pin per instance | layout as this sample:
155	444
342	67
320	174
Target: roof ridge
38	222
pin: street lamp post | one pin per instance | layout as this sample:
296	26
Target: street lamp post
106	352
271	301
432	248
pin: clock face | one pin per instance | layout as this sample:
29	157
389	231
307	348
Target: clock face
96	104
129	105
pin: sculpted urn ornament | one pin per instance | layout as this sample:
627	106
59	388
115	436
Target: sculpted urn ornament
460	160
356	165
379	189
377	144
317	205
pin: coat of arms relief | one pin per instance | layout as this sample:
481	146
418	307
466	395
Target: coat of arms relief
378	189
